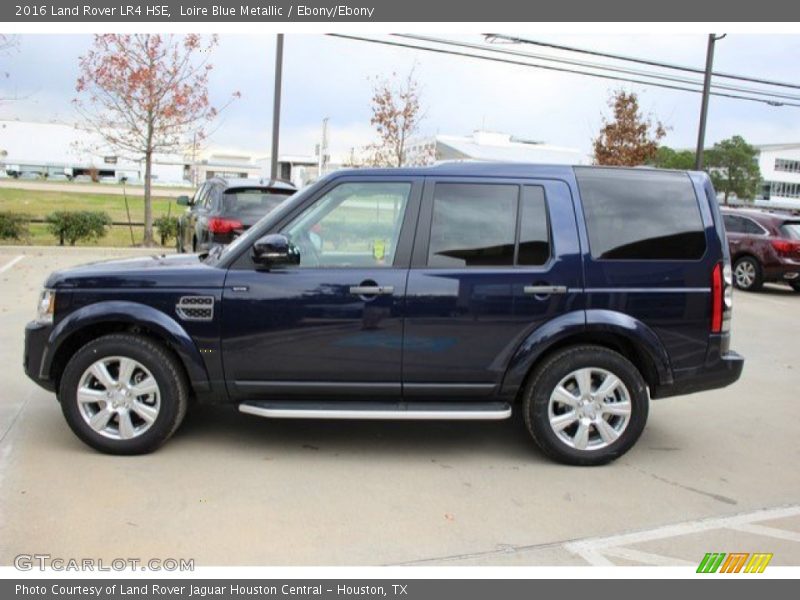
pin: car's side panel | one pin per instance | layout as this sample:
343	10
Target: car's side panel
187	339
599	326
671	297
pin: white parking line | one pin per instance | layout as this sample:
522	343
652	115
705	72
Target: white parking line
595	550
11	263
766	531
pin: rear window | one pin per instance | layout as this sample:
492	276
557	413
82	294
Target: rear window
641	215
238	201
791	230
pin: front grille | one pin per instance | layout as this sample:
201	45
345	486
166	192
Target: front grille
195	308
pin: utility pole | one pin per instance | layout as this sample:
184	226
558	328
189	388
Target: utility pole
276	106
323	148
701	133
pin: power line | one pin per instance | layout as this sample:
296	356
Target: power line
599	66
642	61
557	69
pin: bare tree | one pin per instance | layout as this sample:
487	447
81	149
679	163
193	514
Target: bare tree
147	94
396	116
630	139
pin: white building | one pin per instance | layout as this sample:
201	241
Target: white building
780	171
493	146
60	151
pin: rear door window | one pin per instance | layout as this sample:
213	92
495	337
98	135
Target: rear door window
488	225
734	224
641	214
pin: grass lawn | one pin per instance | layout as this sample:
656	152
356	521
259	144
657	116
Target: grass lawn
39	204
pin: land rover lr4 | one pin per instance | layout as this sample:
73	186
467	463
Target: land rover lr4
459	291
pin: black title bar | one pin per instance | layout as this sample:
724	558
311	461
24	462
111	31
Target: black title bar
441	11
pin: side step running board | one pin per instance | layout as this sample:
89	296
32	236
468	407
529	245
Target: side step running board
452	411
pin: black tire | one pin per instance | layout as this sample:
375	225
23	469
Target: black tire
757	281
551	372
165	369
795	285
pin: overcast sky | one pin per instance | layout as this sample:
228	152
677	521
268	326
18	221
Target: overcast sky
328	77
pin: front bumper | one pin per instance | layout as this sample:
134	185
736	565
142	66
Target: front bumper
36	342
722	367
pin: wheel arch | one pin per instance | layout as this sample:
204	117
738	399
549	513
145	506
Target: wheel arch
95	320
617	331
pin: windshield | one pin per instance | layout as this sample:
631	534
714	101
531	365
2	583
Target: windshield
791	230
257	230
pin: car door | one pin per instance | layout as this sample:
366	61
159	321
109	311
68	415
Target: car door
333	325
735	228
494	260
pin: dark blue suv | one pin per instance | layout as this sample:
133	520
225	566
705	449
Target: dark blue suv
460	291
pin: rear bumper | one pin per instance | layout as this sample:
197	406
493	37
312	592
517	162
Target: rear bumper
722	368
36	337
785	269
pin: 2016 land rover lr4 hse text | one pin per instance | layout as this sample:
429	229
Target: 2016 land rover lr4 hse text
460	291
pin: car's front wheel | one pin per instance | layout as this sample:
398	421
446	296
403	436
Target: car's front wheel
123	394
586	405
795	285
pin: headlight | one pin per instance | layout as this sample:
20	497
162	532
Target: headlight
47	305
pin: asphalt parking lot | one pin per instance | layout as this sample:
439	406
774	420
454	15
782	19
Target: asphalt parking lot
714	472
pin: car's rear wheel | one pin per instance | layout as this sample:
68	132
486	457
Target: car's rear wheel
123	394
585	405
747	274
795	285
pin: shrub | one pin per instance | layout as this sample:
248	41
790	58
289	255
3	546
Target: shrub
14	226
76	226
167	228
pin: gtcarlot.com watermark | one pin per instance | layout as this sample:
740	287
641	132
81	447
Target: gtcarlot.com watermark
42	562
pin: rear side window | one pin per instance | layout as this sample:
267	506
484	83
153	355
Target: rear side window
641	215
481	225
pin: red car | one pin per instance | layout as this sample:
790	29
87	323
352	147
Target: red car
765	247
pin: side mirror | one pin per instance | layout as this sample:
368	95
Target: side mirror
275	250
184	201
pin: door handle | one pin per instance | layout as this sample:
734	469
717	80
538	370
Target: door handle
372	290
545	290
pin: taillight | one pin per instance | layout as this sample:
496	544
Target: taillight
716	299
222	225
785	247
721	298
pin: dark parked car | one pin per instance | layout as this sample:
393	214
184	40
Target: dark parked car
460	291
222	209
764	247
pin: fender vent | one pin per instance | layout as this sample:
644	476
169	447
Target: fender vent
195	308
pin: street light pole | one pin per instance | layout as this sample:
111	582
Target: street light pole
701	133
276	107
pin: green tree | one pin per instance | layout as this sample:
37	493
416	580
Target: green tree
733	166
668	158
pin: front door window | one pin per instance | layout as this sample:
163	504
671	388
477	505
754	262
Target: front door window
353	225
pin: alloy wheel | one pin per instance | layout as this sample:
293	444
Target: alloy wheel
745	273
118	397
589	409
